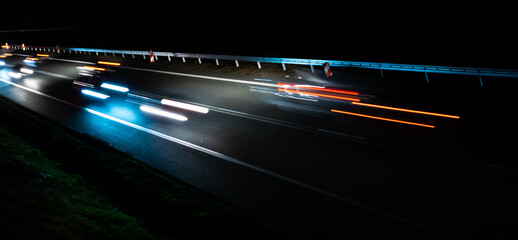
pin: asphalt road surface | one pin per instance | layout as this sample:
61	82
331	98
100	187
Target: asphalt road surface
367	155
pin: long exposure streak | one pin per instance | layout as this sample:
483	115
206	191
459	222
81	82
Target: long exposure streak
407	110
384	119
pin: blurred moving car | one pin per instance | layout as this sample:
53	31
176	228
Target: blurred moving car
91	76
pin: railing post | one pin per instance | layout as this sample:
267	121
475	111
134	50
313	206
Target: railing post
426	74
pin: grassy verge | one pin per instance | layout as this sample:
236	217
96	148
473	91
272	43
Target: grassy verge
56	183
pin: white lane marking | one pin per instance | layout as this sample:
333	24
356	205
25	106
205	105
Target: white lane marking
55	75
193	146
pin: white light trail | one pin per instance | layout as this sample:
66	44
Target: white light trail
94	94
185	106
163	113
115	87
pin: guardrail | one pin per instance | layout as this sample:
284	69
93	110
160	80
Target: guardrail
480	72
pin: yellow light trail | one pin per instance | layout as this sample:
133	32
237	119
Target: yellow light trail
109	63
94	68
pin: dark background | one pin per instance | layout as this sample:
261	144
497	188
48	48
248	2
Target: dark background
478	35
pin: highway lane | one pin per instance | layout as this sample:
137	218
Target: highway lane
343	166
261	101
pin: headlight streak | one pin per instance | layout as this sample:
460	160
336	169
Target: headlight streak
115	87
16	75
94	94
384	119
163	113
185	106
406	110
26	71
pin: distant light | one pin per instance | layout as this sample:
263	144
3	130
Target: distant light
109	63
384	119
26	71
185	106
163	113
114	87
94	94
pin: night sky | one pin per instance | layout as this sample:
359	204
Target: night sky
471	35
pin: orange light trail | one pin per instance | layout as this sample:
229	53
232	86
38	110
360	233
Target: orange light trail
320	95
109	63
408	110
42	55
384	119
8	54
94	68
31	58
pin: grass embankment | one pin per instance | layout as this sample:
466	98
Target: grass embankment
56	183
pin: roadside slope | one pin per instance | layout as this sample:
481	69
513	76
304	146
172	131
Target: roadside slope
162	207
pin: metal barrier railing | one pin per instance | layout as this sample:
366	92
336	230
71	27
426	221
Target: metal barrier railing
298	61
